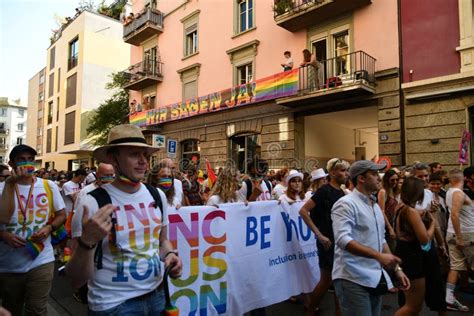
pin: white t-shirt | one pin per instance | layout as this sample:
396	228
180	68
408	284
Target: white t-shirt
132	268
70	188
265	196
286	199
178	192
427	199
17	260
308	195
278	191
466	213
215	200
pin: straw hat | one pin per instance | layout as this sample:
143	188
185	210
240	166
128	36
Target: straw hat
123	135
318	174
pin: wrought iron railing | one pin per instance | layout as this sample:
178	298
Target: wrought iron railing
334	72
150	68
281	7
147	15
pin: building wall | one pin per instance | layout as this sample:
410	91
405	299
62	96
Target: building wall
430	35
13	118
33	101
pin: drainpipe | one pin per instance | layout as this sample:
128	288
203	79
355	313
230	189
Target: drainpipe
400	91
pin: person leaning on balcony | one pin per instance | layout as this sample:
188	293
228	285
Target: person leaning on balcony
288	64
309	61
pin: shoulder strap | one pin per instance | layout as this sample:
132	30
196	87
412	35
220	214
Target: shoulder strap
156	196
269	185
248	183
103	198
49	196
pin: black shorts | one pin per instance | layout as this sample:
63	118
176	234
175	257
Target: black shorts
326	257
412	258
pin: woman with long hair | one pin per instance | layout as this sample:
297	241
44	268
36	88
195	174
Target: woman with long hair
280	186
317	178
414	233
225	190
161	177
388	202
294	191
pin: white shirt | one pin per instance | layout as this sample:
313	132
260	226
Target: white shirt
178	192
278	191
264	196
215	200
131	267
466	213
69	188
427	199
17	260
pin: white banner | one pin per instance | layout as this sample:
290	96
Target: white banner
238	258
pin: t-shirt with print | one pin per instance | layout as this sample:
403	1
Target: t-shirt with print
192	192
325	198
69	188
266	194
131	265
18	260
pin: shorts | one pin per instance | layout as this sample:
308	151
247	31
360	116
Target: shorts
326	257
461	260
412	258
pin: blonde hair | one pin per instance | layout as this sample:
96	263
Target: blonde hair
226	186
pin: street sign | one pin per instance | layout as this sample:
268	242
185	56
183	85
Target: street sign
159	141
172	145
384	160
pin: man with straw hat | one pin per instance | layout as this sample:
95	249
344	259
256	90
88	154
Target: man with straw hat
124	271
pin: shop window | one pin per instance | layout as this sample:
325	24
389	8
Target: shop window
189	153
244	148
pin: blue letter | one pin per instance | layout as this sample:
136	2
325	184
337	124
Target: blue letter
251	231
264	231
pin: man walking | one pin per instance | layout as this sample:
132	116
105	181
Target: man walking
125	278
32	209
361	253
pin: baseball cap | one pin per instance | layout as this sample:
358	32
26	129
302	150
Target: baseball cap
361	166
18	149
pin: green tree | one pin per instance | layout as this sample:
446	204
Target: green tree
112	112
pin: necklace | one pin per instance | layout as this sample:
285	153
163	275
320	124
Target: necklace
23	208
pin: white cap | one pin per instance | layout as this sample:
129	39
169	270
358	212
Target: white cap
318	174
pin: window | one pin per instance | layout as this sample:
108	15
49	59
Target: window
191	41
2	127
71	90
189	79
56	140
245	15
19	140
189	153
244	74
41	78
48	140
1	159
341	49
2	141
52	56
190	31
70	128
50	112
149	102
41	96
59	79
51	85
39	131
151	4
21	113
73	55
244	148
20	127
3	112
189	90
57	110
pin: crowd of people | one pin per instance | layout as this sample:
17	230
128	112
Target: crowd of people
407	230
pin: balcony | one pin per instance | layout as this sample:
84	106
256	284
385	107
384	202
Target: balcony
345	76
296	15
4	131
147	23
143	74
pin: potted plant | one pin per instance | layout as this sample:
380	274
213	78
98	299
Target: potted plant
282	6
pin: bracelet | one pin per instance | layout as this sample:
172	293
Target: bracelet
53	228
398	268
175	252
84	245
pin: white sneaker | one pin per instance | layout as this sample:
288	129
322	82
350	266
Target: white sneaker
457	306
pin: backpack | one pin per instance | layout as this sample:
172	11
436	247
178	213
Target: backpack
103	198
248	182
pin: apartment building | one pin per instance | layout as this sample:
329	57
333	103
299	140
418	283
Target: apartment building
36	95
12	126
438	78
82	55
208	74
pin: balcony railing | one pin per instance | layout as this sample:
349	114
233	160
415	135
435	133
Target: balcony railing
354	68
72	62
295	15
144	25
143	74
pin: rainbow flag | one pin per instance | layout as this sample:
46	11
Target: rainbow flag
277	86
138	119
211	176
58	235
34	248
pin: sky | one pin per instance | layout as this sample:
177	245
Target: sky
25	28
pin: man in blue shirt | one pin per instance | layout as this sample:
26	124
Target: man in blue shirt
361	252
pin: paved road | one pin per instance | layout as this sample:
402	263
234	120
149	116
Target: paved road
62	303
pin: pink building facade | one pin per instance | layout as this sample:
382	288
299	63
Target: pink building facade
346	106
